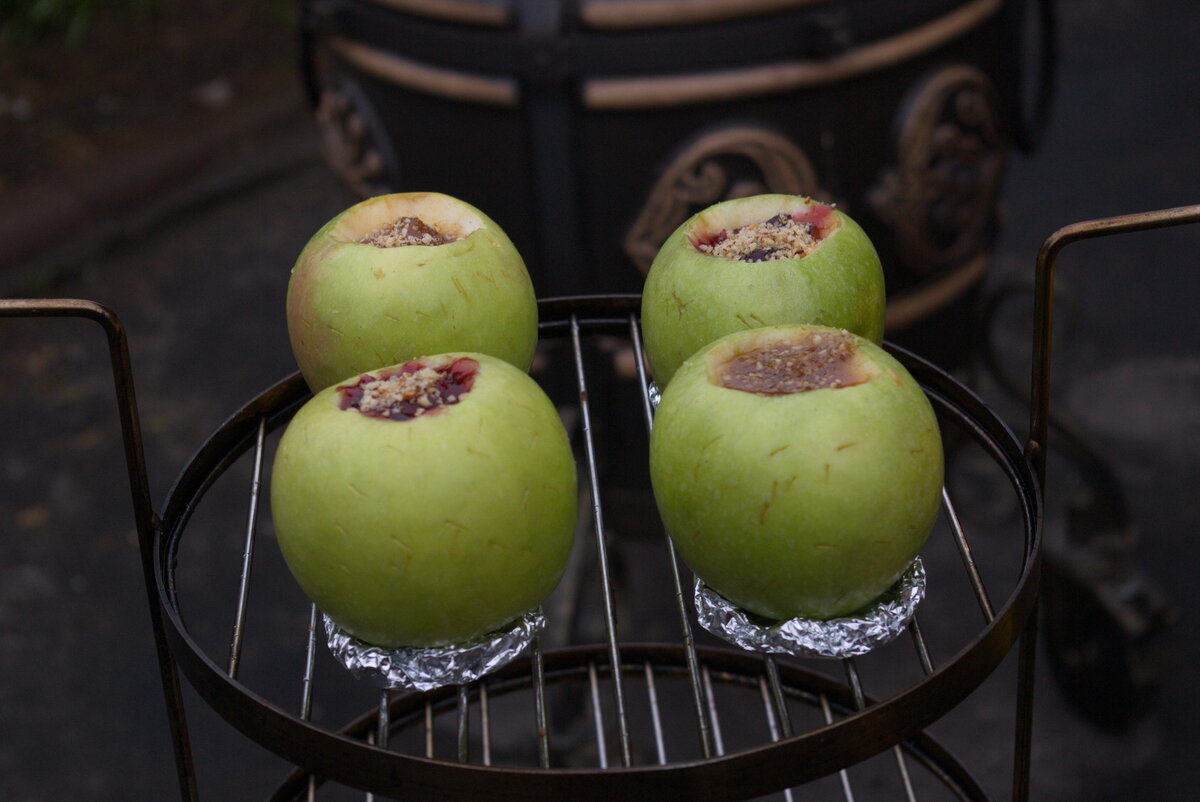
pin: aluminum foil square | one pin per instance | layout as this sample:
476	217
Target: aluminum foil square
426	668
835	638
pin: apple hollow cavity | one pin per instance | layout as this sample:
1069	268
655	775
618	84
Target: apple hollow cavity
414	389
759	261
427	503
405	231
786	235
798	469
408	217
822	360
398	276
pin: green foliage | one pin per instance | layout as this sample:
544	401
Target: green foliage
24	21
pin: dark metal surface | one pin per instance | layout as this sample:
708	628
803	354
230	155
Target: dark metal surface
589	136
731	667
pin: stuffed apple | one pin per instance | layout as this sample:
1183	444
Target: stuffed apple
426	503
798	469
758	261
402	275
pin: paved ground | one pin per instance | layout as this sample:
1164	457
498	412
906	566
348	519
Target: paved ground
201	294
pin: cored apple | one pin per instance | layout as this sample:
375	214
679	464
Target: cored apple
398	276
798	469
426	503
758	261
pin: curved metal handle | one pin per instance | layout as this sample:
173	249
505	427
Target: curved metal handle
1039	416
118	349
146	520
1035	448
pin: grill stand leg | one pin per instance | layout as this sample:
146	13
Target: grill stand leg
143	511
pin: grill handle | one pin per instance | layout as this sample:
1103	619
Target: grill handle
145	519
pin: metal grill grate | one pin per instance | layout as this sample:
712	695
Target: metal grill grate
615	688
652	719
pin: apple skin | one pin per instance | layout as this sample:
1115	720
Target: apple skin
434	530
353	307
691	298
810	504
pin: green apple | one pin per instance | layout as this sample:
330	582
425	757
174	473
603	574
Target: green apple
362	294
427	503
732	267
797	469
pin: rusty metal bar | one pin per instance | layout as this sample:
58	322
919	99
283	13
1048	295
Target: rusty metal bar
145	519
660	746
429	728
781	711
964	551
860	704
383	724
685	624
914	629
597	717
610	615
1039	421
485	723
464	724
235	648
847	790
718	740
369	796
774	723
310	654
539	704
1043	309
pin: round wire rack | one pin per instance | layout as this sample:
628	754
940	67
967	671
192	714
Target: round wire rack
618	698
617	717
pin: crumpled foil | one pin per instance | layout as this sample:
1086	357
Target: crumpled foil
426	668
805	637
654	394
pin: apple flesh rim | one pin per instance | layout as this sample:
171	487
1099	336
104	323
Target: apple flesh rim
354	306
808	491
428	503
690	298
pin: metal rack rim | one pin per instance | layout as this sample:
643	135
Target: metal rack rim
903	716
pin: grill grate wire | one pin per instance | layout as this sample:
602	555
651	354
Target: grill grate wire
294	737
777	716
316	750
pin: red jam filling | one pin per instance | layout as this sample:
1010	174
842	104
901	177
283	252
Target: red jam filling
410	391
816	222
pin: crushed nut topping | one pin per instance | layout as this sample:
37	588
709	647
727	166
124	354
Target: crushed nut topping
406	231
781	237
419	388
824	360
410	392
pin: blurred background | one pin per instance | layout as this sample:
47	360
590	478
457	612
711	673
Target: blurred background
170	159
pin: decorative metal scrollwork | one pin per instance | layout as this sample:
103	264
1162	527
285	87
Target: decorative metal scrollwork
727	163
352	143
940	199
